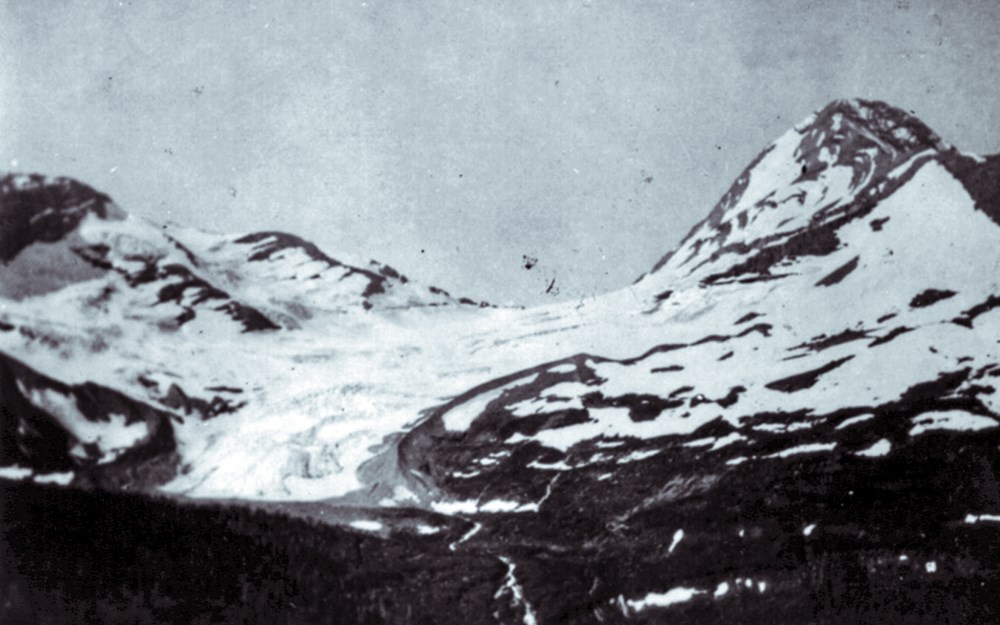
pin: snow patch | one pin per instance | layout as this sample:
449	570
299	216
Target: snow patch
721	590
854	420
112	437
14	472
367	526
808	448
673	596
972	519
636	456
880	448
612	423
517	597
553	466
62	479
678	537
955	420
469	506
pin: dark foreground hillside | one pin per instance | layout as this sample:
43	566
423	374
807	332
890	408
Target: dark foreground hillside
88	557
890	543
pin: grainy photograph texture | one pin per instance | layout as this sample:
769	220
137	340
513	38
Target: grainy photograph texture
525	312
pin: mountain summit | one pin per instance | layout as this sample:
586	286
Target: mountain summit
792	418
833	168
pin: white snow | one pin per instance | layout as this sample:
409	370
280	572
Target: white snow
673	596
701	442
499	505
112	437
855	420
784	427
608	444
62	479
403	494
553	466
956	420
466	536
972	519
517	597
728	439
878	449
808	448
427	530
721	590
715	444
367	526
455	507
460	418
469	506
14	472
636	456
610	422
678	537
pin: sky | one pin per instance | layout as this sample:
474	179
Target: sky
513	151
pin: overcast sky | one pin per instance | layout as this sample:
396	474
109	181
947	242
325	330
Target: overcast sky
452	139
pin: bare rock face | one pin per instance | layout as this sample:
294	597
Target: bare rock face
791	418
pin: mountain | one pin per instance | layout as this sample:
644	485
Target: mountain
792	417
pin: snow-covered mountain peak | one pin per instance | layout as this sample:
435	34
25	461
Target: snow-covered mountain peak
856	124
831	168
